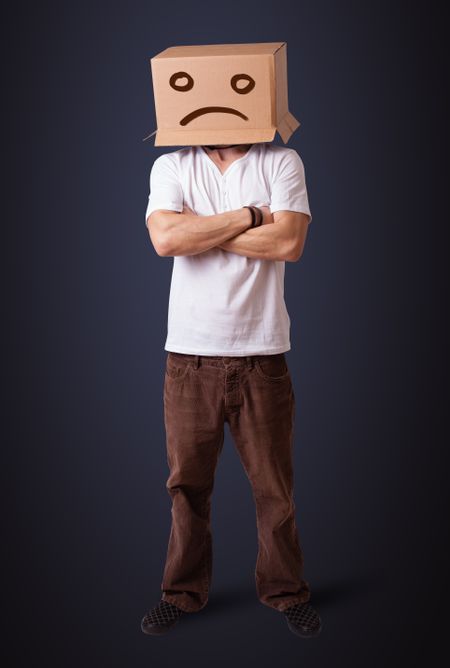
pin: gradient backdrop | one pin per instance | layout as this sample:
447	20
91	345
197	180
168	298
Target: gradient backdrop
85	316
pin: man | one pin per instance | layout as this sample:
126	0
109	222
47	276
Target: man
228	330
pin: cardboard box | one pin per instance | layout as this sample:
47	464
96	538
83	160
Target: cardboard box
221	94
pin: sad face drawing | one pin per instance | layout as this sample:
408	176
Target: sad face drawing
234	83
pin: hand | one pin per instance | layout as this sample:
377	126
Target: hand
267	216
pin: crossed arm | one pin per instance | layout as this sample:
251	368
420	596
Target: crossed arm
284	239
186	233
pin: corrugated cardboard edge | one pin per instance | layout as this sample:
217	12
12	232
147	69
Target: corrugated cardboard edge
204	137
287	126
219	50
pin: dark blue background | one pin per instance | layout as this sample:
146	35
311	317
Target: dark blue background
85	316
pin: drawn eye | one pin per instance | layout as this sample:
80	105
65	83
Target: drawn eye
242	90
181	75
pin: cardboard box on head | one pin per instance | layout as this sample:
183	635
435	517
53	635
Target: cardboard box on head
221	94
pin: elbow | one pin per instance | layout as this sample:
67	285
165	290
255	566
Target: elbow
294	253
158	235
294	258
159	243
162	247
159	251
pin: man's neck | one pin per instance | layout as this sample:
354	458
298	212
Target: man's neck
224	152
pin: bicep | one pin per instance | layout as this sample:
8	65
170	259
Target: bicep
288	186
159	217
166	192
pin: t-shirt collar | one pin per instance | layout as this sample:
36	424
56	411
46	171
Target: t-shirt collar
235	162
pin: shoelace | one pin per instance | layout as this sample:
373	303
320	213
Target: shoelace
304	615
163	613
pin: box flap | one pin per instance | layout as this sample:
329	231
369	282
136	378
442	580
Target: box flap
287	126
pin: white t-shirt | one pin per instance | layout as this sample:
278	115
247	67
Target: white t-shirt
222	303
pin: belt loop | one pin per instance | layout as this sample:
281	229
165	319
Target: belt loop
196	361
249	361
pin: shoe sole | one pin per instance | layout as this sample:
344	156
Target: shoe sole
157	630
304	634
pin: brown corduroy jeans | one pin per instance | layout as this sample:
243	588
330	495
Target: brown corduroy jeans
254	394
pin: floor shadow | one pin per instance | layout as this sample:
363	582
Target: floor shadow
351	587
228	598
323	595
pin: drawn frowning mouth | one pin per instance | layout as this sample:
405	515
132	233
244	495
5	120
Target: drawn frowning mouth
208	110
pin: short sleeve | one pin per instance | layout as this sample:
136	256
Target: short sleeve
288	187
165	187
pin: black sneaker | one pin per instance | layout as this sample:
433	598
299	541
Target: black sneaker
161	618
303	620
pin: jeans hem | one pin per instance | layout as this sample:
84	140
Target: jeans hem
287	604
173	599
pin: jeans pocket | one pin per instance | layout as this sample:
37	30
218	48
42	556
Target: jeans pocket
273	368
176	367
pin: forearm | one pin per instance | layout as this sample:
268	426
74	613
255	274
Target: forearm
189	234
267	242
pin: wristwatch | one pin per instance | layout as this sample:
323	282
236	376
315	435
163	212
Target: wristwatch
257	218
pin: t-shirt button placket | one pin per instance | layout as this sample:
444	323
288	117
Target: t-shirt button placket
224	194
